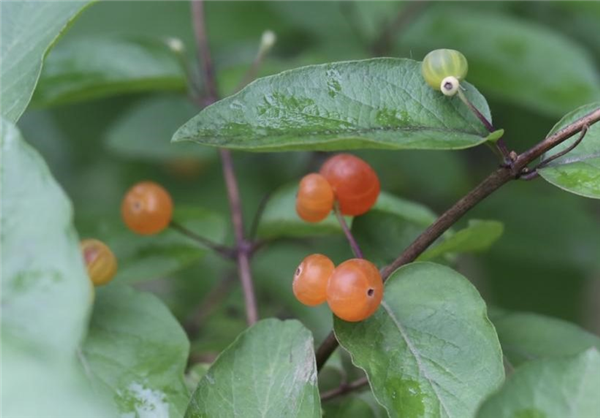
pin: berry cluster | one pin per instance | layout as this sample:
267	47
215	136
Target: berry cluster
354	289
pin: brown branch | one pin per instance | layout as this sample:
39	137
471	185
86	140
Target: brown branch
222	250
494	181
243	248
344	388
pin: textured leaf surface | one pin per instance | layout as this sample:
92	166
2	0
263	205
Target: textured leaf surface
377	103
29	29
44	281
145	130
280	219
136	353
89	68
269	371
512	59
430	350
579	170
477	236
549	388
528	336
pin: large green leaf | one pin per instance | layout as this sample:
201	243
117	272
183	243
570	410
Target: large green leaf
528	336
578	171
430	350
46	294
90	68
136	353
144	131
157	256
268	371
477	236
550	388
280	219
377	103
29	29
512	59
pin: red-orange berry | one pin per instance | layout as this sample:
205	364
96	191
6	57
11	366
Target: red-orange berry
355	290
147	208
100	261
314	201
310	280
354	182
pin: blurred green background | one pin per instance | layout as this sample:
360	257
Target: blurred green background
548	259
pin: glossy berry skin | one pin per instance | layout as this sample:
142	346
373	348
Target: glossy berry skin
147	208
310	280
315	198
355	290
355	184
100	261
442	63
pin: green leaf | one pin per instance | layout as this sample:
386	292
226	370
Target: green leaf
362	405
515	60
280	219
29	29
157	256
136	353
144	131
578	171
528	336
391	225
549	388
477	236
430	350
268	371
377	103
95	67
44	281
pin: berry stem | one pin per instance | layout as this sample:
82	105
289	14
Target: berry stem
353	244
494	181
222	250
243	248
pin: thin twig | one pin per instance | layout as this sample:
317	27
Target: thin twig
565	151
344	388
494	181
258	216
222	250
405	15
342	221
243	248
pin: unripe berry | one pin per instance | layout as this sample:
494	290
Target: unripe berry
355	184
147	208
100	261
442	63
310	280
355	290
314	201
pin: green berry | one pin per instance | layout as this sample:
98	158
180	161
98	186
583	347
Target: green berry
442	63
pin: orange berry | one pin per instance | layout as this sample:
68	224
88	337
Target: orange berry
310	280
355	290
147	208
314	201
100	261
354	182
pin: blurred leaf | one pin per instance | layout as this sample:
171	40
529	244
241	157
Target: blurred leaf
144	131
477	236
361	405
91	68
44	281
528	336
578	171
429	341
255	377
29	30
513	59
136	353
150	257
549	388
391	225
334	106
280	219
